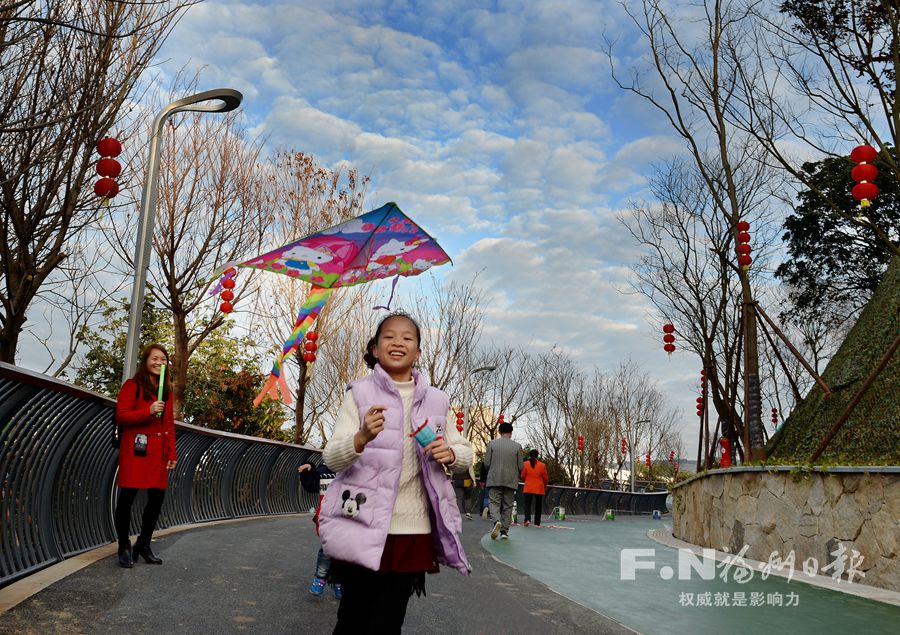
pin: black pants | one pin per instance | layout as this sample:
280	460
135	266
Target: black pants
537	500
373	602
148	520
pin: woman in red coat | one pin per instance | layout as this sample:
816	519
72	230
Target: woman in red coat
534	473
146	451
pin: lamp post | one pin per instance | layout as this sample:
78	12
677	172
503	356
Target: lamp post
482	369
631	443
229	99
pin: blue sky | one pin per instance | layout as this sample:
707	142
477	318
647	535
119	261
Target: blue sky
495	125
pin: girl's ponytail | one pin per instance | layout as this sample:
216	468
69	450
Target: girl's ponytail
369	357
533	457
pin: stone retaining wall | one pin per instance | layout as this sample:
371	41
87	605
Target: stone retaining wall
810	511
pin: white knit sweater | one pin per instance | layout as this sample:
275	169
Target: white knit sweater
411	508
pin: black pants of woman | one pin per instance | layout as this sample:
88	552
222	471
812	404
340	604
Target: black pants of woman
537	500
148	520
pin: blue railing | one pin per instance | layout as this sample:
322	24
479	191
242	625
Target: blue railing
58	472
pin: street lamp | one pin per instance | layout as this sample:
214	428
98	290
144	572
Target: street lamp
482	369
228	99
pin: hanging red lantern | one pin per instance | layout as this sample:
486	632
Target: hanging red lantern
624	446
228	283
227	295
310	346
744	260
106	188
580	443
700	401
309	357
312	336
743	248
109	167
669	338
774	416
648	459
109	147
500	419
743	237
864	154
865	190
672	457
460	421
743	226
226	307
864	193
864	172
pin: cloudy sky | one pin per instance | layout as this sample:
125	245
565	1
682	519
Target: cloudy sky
495	125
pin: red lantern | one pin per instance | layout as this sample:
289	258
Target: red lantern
864	172
668	338
669	348
312	336
672	457
309	357
864	154
228	283
624	446
109	167
580	443
648	459
310	346
459	427
743	226
109	147
106	188
226	307
743	248
744	260
700	400
774	416
228	296
668	328
743	237
500	419
864	192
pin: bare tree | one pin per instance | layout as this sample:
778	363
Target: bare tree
697	81
304	197
210	212
821	77
66	70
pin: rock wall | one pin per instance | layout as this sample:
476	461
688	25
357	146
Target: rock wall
808	511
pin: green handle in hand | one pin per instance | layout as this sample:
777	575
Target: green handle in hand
162	382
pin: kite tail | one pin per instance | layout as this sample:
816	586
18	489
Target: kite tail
307	315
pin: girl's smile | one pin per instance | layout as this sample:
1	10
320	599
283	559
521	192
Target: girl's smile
397	348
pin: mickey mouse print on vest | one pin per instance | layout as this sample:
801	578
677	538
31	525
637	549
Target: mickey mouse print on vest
350	506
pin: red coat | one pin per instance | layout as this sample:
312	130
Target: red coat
133	414
535	477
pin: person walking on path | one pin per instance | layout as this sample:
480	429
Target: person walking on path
390	516
503	459
534	473
316	480
464	486
146	451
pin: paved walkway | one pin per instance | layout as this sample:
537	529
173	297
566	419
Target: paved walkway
561	578
253	576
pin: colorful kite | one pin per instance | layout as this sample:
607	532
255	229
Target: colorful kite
378	244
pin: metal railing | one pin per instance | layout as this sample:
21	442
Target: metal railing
58	472
595	502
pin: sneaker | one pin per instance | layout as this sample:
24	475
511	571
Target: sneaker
526	523
504	536
496	530
317	587
468	516
337	590
484	512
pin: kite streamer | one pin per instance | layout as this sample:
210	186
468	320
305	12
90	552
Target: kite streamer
307	315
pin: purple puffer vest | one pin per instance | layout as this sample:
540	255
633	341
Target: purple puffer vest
357	508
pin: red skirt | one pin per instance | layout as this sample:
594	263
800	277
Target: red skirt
408	553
